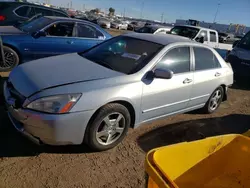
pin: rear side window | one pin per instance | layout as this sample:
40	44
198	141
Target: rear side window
176	60
212	36
44	12
22	11
87	31
205	59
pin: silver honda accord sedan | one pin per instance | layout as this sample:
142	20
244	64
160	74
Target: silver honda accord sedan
94	97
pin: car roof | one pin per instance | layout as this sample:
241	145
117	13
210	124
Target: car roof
31	4
158	27
160	39
197	27
65	19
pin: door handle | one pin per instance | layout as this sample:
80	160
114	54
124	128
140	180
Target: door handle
187	81
217	74
70	42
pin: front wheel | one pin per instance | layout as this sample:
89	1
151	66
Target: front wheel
108	128
214	101
11	59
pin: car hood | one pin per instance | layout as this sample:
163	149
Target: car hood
10	30
34	76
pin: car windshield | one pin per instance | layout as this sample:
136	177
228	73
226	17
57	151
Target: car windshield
123	54
35	24
184	31
146	30
245	42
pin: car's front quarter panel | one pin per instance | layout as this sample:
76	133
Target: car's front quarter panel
22	44
97	93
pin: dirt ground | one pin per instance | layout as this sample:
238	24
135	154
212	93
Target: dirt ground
23	164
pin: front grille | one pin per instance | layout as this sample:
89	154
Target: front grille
19	99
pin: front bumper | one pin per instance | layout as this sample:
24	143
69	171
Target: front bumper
52	129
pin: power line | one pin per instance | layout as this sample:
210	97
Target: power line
142	7
215	16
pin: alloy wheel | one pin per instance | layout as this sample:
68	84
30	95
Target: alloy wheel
110	128
10	60
215	100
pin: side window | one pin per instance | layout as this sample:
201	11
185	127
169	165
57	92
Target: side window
44	12
32	12
59	14
22	11
203	33
205	59
61	30
176	60
212	36
87	31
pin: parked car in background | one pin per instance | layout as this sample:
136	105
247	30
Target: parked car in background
135	25
154	29
203	35
13	13
48	36
118	24
104	23
121	83
223	37
239	58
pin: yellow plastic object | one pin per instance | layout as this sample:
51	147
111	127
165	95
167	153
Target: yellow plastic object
215	162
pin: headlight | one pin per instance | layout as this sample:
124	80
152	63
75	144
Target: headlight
57	104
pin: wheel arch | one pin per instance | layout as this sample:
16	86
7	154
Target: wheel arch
127	104
225	93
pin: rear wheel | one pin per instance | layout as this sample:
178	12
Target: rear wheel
214	101
11	59
108	127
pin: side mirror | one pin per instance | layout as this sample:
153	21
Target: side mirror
164	74
235	43
38	34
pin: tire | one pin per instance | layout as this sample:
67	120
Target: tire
210	106
99	131
11	59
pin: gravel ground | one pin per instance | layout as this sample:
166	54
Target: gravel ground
23	164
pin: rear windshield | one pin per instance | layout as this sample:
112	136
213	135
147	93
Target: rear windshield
146	30
185	31
4	5
34	25
123	54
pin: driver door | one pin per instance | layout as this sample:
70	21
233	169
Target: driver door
59	40
163	97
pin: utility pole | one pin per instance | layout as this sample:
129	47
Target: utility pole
215	16
142	7
162	15
70	4
124	10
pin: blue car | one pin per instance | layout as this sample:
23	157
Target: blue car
47	36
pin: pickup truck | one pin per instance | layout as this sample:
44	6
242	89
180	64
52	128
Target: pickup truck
203	35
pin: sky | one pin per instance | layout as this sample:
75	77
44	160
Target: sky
230	11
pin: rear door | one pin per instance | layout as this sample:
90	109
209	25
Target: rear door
213	39
87	36
207	75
